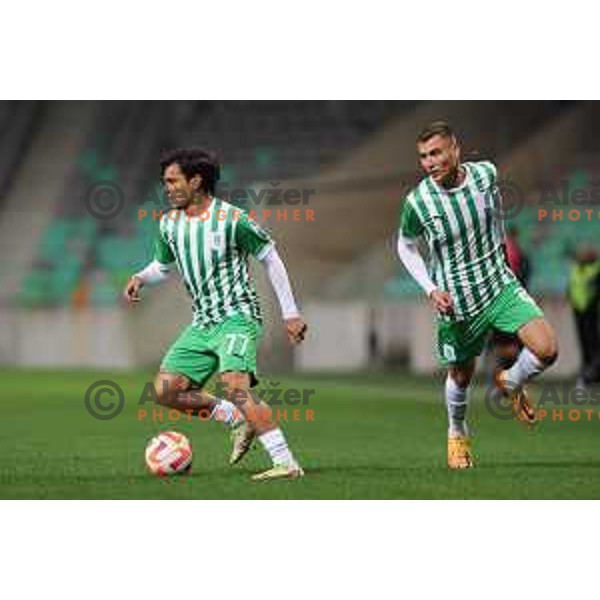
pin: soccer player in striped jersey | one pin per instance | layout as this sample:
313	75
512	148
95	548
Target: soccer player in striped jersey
456	211
209	243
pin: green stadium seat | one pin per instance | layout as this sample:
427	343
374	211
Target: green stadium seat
401	287
118	255
104	293
36	289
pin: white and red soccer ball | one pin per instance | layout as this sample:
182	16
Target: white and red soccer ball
169	453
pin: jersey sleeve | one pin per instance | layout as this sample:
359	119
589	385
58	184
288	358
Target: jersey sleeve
162	252
410	223
252	238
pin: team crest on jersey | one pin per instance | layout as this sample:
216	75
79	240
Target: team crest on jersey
217	241
437	227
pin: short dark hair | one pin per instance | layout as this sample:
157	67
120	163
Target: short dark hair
194	161
435	128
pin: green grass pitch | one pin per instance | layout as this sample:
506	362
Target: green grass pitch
373	436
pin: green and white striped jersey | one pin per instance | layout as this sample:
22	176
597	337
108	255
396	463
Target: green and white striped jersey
212	253
465	237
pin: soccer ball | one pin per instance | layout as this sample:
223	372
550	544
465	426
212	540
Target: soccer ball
169	453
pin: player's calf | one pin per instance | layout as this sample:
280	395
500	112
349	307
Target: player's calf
540	352
456	395
175	391
539	338
462	374
236	389
259	417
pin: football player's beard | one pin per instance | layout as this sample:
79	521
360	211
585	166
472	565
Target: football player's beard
180	201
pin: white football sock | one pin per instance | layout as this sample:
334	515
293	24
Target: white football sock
456	401
527	366
274	443
226	412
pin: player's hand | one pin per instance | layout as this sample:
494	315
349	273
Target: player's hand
442	302
296	329
132	291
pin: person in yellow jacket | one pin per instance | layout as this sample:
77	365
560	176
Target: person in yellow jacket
584	297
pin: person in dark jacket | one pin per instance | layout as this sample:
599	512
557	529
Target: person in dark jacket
584	297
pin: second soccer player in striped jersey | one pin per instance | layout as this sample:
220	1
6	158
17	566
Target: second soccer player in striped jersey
209	242
456	211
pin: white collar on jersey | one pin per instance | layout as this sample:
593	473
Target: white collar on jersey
459	187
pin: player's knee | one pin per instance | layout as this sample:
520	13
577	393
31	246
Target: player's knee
231	380
237	394
234	387
461	378
546	349
169	387
548	353
542	342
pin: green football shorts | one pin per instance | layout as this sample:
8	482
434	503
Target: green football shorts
229	346
460	341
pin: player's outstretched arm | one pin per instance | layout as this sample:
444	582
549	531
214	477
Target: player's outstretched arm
415	265
154	273
276	272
